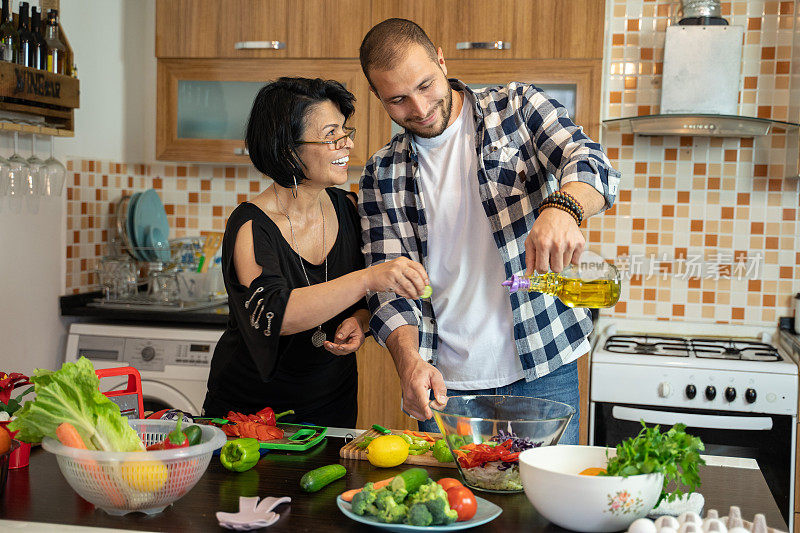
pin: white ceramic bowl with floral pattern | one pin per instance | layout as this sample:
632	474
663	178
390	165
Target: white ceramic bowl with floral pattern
552	483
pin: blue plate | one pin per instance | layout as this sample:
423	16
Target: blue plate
149	212
129	223
159	244
486	512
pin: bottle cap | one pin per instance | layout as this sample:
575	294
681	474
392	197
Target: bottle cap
515	283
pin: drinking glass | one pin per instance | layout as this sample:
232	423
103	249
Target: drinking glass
117	277
4	166
53	175
36	167
163	286
20	183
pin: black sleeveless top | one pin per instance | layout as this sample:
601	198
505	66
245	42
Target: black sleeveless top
253	365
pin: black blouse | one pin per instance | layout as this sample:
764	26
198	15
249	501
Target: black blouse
253	365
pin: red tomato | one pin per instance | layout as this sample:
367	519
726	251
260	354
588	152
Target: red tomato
448	482
463	502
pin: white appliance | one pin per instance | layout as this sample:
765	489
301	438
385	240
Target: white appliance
174	362
734	386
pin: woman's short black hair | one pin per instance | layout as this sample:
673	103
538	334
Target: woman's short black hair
278	120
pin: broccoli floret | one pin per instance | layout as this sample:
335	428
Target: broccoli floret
384	498
434	497
389	511
399	495
363	500
419	515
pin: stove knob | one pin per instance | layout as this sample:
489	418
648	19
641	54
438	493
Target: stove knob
148	353
691	391
750	395
730	394
664	389
711	392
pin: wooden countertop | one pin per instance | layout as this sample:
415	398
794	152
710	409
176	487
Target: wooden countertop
39	493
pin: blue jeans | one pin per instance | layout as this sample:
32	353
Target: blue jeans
561	386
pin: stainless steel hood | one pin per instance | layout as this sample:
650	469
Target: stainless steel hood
697	125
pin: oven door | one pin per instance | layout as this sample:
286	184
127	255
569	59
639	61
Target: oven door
769	439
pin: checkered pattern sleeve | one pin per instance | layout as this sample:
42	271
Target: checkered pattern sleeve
382	243
562	147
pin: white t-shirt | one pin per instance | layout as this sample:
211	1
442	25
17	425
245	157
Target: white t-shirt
473	312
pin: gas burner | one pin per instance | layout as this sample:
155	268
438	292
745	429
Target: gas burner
647	345
734	349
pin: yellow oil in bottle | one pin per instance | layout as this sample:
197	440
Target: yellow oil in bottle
580	293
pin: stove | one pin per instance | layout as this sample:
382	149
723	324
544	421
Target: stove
734	386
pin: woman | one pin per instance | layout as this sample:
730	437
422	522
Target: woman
293	268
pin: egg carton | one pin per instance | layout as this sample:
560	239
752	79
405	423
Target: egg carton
690	522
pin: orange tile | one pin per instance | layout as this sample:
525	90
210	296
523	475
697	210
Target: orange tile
699	169
630	82
625	195
708	297
194	197
787	8
618	39
651	238
683	197
181	171
767	53
686	141
627	139
205	185
754	23
230	172
710	239
786	272
633	25
670	154
158	183
713	183
667	210
783	67
638	224
743	198
216	211
789	214
646	54
650	295
696	225
768	300
771	243
760	171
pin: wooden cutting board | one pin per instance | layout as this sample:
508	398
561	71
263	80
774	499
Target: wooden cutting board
351	450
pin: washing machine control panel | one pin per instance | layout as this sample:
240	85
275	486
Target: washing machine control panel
146	354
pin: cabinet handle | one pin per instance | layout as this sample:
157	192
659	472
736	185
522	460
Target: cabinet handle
489	45
241	151
260	45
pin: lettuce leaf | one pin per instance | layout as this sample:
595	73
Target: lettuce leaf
73	395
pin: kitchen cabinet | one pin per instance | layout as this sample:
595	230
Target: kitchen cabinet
203	104
379	389
249	29
575	83
528	29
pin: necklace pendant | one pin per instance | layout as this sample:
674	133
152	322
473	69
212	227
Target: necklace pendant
318	338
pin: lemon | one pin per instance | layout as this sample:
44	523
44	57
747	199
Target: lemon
387	451
146	476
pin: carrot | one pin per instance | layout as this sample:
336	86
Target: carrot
69	436
348	496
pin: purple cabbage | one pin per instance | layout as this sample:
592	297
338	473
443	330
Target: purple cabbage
518	444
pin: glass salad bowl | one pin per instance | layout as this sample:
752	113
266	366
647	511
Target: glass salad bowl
146	482
487	433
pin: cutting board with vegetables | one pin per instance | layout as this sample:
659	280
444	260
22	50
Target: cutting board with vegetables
351	450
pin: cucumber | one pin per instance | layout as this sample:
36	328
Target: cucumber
410	480
319	477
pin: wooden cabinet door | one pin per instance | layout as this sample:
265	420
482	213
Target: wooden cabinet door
328	28
580	77
222	28
203	104
379	390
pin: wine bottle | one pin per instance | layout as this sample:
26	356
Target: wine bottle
26	41
590	283
39	48
56	51
9	36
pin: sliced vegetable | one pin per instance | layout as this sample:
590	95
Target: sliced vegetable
264	416
240	455
381	429
462	501
410	480
319	477
441	452
348	496
194	434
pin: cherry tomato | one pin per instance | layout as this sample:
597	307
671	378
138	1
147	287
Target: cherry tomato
448	482
463	502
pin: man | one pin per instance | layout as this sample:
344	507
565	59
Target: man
458	191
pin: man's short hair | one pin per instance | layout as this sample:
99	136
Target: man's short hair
278	120
387	43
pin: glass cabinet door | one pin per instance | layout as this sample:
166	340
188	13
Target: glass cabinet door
574	83
203	104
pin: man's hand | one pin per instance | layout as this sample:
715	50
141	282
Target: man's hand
555	241
418	378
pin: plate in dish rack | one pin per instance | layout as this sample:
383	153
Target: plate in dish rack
486	512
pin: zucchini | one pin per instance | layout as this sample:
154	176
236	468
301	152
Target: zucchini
319	477
410	480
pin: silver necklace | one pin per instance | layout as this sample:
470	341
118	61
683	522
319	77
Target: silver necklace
318	338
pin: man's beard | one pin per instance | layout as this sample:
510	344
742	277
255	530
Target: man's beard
446	105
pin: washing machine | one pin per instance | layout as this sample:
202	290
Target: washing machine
174	362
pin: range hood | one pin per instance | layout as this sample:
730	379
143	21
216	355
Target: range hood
697	125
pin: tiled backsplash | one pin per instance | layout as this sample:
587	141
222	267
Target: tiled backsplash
705	228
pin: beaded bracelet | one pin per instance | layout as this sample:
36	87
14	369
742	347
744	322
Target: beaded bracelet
566	202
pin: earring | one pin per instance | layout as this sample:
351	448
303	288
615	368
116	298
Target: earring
294	190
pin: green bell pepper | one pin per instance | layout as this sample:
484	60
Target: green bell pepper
441	452
240	454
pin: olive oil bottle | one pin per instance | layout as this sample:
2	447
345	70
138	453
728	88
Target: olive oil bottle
590	283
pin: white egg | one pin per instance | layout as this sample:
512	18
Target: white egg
667	521
714	525
642	525
738	530
690	517
690	527
667	530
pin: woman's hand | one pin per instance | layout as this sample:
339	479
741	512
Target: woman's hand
403	276
348	338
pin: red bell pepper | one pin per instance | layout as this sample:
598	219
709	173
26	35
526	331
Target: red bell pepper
472	455
175	439
265	416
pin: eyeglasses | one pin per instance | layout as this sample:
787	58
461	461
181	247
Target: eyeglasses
336	144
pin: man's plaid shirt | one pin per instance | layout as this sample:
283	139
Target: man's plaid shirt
527	148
